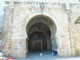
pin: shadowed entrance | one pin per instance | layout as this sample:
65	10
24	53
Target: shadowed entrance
39	33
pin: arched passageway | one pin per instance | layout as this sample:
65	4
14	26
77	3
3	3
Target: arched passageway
41	32
38	33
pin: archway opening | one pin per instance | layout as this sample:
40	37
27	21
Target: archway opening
38	33
41	31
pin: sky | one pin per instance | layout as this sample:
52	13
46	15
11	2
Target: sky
1	13
1	7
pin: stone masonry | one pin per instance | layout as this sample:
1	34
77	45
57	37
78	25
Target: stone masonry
61	20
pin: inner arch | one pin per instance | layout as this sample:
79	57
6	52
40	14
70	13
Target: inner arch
43	28
39	31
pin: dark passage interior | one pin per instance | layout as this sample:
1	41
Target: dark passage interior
39	35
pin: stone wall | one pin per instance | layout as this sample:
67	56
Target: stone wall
0	40
19	14
75	29
75	39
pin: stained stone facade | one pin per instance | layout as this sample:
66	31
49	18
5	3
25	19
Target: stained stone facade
62	20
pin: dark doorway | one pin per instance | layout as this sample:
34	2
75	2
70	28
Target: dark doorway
39	33
36	45
37	42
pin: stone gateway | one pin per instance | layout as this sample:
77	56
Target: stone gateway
35	26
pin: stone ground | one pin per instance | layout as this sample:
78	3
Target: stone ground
46	56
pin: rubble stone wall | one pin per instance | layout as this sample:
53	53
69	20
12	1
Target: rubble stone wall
17	16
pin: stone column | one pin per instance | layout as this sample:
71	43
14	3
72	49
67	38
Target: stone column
7	30
48	45
54	44
41	45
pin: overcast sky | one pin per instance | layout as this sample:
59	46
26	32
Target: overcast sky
1	6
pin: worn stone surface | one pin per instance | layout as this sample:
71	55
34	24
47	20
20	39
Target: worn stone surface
19	17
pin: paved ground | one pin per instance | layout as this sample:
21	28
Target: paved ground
46	56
